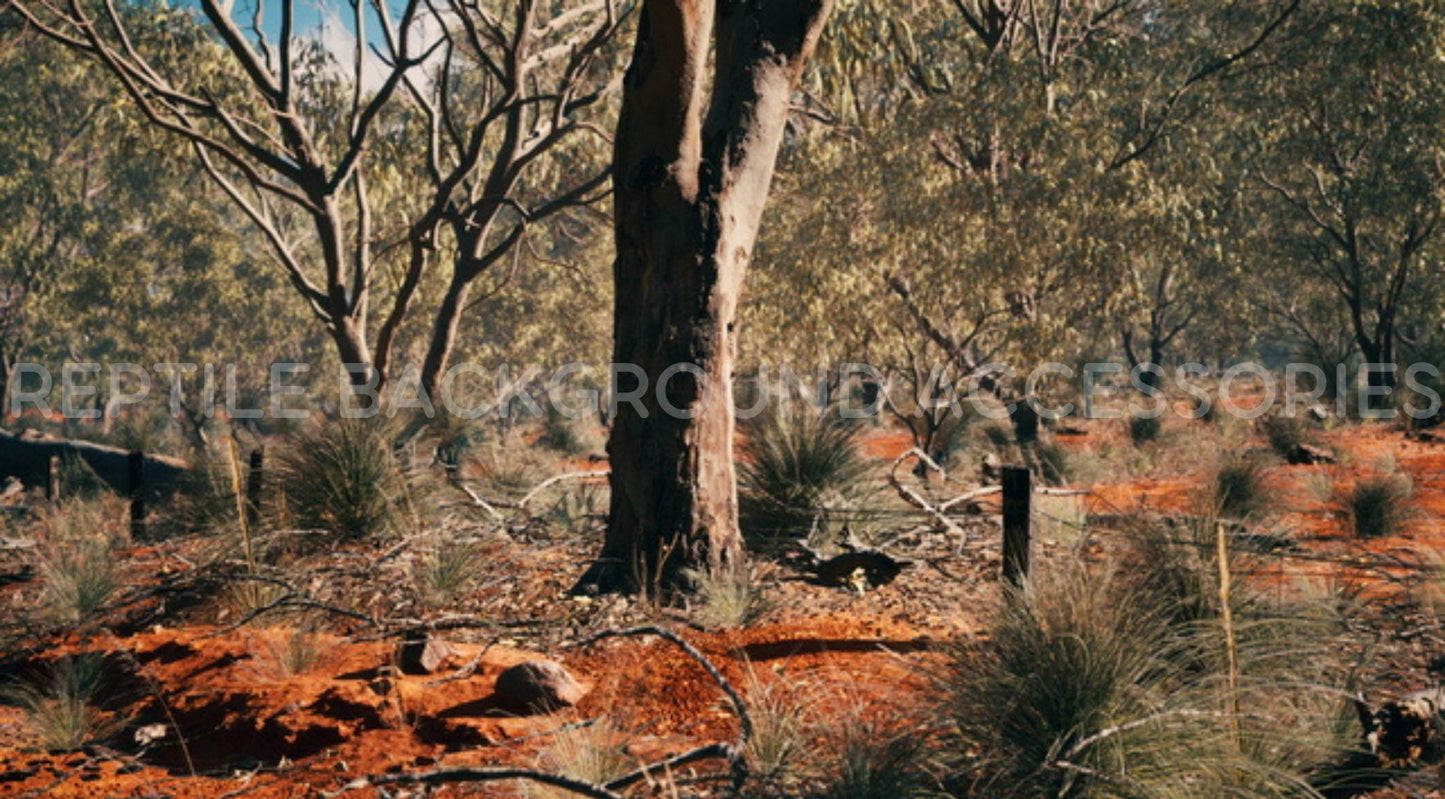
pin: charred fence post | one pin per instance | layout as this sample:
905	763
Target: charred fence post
52	480
254	478
1017	493
136	467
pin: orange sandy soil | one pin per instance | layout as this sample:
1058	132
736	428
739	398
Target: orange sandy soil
345	719
247	729
1317	525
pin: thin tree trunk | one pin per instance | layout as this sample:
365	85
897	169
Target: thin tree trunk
7	370
351	346
689	198
443	338
1381	351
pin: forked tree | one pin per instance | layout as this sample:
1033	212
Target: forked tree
315	151
693	163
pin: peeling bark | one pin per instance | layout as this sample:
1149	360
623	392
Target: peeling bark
691	176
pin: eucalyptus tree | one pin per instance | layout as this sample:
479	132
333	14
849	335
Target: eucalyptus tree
1014	180
1350	170
295	136
115	251
705	102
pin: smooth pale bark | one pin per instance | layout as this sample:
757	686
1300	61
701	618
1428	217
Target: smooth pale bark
693	163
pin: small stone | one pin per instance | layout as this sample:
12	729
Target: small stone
418	655
537	686
149	734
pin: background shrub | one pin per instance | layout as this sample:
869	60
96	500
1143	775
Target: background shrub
1238	489
1379	506
1143	429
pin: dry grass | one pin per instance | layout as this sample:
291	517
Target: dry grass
285	652
728	601
595	753
1380	506
60	710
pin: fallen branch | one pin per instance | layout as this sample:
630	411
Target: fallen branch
969	495
443	776
489	507
553	480
733	754
709	752
913	498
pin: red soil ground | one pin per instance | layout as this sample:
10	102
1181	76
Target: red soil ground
350	716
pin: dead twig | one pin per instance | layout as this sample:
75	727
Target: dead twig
553	480
443	776
734	754
709	752
913	498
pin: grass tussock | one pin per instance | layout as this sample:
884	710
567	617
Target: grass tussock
780	730
76	562
79	580
863	759
728	601
1108	684
1238	488
206	501
595	753
343	477
60	708
286	652
1285	434
446	570
797	473
1144	429
1380	506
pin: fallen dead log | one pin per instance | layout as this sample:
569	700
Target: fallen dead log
26	457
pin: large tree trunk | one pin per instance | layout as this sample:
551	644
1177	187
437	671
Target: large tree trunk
689	197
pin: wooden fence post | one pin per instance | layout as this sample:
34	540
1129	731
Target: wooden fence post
1226	618
136	483
52	480
254	479
1017	493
